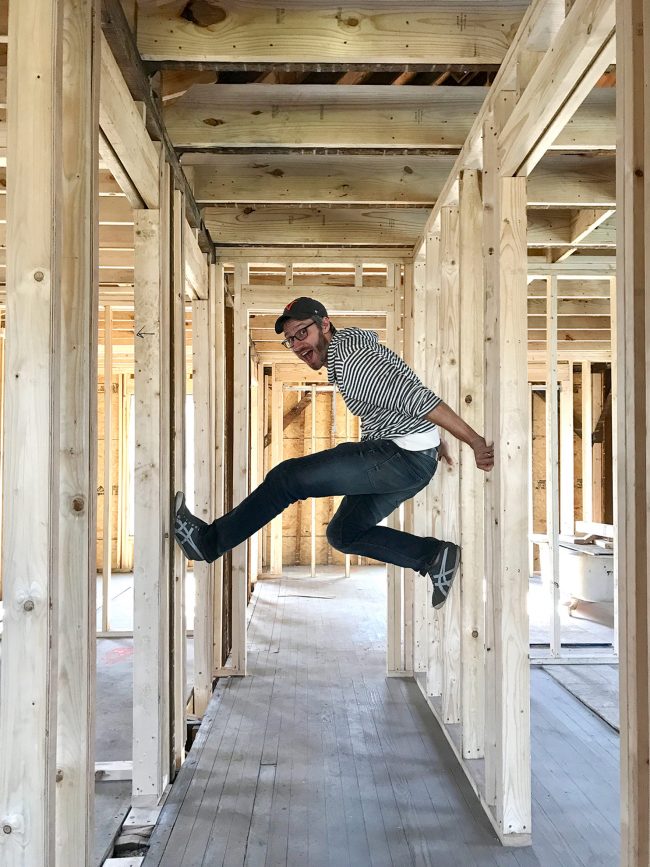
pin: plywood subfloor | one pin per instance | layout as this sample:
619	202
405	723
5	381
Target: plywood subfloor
316	758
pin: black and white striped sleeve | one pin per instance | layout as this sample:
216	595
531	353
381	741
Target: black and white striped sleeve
377	377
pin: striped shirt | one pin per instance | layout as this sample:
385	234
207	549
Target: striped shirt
378	386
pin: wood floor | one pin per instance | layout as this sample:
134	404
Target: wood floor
317	758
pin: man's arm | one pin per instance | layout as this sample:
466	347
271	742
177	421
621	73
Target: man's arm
446	418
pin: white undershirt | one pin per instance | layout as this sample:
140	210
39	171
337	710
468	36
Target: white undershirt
419	442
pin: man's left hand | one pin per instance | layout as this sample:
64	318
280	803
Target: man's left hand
483	454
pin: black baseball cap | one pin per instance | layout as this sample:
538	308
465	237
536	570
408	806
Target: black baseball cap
299	308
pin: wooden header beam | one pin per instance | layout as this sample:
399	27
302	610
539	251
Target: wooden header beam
314	33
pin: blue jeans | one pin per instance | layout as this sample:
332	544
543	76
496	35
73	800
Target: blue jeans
374	476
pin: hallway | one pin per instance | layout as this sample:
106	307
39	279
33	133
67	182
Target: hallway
317	758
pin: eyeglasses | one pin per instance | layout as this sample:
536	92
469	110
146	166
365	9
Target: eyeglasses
300	334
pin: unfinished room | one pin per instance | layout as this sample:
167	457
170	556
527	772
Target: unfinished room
324	431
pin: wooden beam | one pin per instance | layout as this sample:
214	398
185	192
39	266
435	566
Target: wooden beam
218	116
552	467
151	722
472	481
632	315
75	750
277	454
434	501
107	475
536	33
124	129
449	347
241	366
283	254
119	35
32	459
218	399
204	606
275	224
564	180
196	267
258	33
178	391
308	179
580	53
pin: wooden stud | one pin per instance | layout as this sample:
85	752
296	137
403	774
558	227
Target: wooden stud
434	504
421	522
552	470
449	482
408	507
567	473
508	567
632	425
472	480
179	374
204	604
151	639
277	443
217	402
32	471
75	751
107	551
240	467
587	450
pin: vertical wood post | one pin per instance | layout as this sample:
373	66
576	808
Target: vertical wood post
395	662
179	378
152	558
240	467
567	473
587	452
218	404
75	750
204	605
434	617
632	424
508	780
552	470
277	450
449	482
107	523
32	465
472	480
421	525
408	506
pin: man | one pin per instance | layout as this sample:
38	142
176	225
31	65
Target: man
397	456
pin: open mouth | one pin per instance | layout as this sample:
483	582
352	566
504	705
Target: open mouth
307	355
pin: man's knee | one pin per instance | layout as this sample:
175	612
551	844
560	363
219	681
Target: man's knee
287	478
336	538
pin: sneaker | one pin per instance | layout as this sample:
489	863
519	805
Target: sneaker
187	529
442	572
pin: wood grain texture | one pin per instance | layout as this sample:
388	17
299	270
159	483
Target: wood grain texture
449	481
254	32
472	480
32	473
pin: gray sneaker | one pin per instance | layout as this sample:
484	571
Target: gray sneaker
188	529
442	572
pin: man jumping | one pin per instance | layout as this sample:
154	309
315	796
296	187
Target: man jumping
396	457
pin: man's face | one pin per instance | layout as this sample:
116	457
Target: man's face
310	344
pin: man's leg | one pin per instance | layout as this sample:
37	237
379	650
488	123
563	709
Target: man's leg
353	530
370	467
